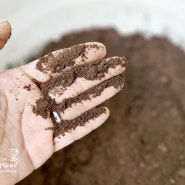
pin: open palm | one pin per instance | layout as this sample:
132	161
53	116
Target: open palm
23	129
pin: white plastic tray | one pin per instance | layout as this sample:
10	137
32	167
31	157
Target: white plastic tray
36	22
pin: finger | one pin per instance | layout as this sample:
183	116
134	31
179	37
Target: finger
53	63
5	32
80	131
74	107
59	93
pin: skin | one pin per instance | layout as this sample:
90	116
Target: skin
20	128
5	32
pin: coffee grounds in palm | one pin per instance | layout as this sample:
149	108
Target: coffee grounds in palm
68	125
54	64
27	87
93	92
89	71
46	106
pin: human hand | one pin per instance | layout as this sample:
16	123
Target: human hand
51	102
5	32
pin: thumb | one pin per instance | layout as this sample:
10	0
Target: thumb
5	32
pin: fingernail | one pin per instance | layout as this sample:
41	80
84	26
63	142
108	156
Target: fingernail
3	21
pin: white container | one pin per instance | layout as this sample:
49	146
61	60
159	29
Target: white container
36	22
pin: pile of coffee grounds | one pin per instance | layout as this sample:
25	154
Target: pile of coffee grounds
143	141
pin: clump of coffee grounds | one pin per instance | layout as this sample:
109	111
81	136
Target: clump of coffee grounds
27	87
54	64
143	141
89	71
44	106
68	125
93	92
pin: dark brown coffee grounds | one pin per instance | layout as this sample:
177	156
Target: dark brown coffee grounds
44	106
84	57
89	71
27	87
68	125
93	92
61	60
143	141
